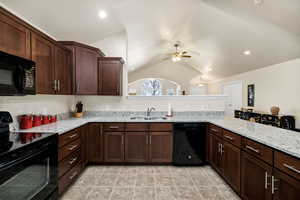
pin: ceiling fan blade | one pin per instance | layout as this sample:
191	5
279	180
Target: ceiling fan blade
186	56
184	52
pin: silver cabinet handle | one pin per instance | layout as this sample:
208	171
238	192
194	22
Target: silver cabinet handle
214	130
73	175
273	184
228	137
252	149
73	147
58	85
113	127
266	180
72	136
292	168
219	147
55	85
77	87
222	149
150	142
72	161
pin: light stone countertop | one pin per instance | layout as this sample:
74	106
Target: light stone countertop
280	139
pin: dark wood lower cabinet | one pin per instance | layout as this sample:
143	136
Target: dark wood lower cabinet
136	147
95	143
256	178
161	147
113	147
215	152
231	158
285	187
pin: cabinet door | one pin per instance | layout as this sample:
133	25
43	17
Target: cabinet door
231	158
14	38
114	147
43	55
285	187
110	77
95	143
215	154
86	71
136	147
161	147
63	71
256	178
84	134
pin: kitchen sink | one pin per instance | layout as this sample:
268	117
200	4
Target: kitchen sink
148	118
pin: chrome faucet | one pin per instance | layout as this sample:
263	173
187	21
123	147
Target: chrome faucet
149	110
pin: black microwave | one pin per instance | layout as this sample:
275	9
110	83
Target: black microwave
17	75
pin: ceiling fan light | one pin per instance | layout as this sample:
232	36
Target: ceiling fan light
176	58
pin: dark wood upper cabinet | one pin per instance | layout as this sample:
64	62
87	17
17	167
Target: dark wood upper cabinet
43	55
231	158
63	71
256	178
110	76
95	143
215	152
14	37
161	147
85	67
136	147
285	187
113	147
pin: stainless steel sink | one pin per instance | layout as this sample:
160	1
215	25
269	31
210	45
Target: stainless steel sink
148	118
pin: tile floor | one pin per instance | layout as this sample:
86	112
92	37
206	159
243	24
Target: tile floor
149	183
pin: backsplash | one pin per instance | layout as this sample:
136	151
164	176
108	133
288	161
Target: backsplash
38	104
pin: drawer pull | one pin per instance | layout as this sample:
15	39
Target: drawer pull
214	130
292	168
113	127
228	137
252	149
73	147
73	175
72	161
72	136
266	180
273	184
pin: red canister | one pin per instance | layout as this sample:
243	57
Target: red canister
26	122
46	119
37	120
53	118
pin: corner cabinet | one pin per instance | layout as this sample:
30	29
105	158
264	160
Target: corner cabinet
85	67
110	76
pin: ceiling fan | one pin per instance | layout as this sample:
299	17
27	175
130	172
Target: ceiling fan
178	55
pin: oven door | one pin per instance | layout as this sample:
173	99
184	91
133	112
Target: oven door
33	177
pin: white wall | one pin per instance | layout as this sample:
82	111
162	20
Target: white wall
276	85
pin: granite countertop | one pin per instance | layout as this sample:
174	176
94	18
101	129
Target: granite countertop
280	139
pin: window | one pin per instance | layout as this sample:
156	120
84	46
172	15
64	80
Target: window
151	87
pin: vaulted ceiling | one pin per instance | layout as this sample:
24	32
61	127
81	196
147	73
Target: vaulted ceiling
216	32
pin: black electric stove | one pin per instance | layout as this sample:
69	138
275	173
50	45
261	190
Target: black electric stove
28	163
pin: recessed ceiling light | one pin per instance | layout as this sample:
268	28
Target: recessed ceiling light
247	52
102	14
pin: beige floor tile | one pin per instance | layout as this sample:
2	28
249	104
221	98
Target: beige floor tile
188	193
166	193
76	193
126	180
120	193
163	180
106	180
144	193
183	180
145	180
99	193
210	193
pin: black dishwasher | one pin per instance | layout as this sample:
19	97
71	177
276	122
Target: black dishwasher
189	144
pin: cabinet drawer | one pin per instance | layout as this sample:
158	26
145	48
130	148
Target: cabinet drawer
68	149
69	162
136	127
66	180
161	127
215	130
259	150
68	137
287	164
114	127
232	138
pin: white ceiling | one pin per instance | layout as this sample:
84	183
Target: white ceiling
216	32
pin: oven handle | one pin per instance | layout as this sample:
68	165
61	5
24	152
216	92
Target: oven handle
22	159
